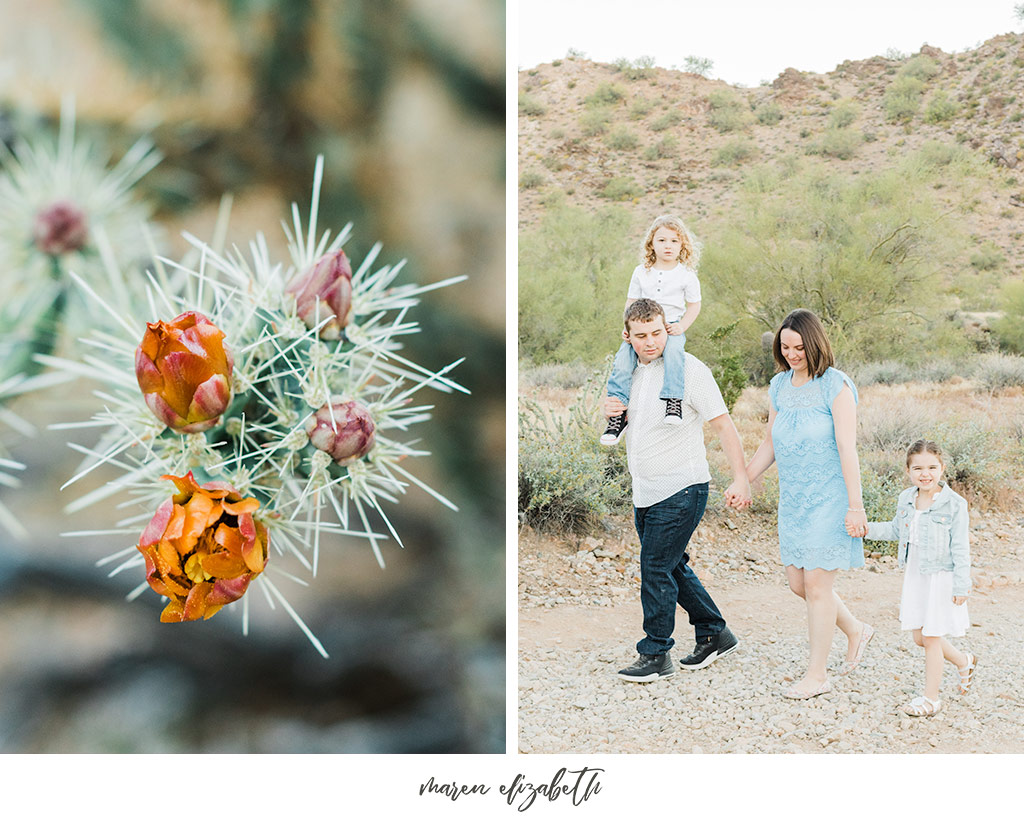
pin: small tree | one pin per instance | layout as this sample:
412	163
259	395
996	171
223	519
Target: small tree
698	65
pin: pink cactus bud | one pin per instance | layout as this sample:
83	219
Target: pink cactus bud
323	291
184	372
345	431
60	228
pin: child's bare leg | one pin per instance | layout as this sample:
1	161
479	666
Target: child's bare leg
953	655
934	658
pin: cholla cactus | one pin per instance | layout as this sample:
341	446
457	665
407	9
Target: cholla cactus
62	208
311	430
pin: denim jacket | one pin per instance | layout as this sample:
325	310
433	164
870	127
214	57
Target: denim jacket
942	530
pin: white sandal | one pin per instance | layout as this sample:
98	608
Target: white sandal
922	707
967	673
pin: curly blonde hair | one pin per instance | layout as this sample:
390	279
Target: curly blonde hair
689	251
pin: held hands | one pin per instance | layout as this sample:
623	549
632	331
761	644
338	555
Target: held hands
856	523
959	600
738	495
674	328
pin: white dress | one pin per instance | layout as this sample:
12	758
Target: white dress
927	600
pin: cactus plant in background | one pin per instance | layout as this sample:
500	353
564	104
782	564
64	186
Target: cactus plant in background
273	395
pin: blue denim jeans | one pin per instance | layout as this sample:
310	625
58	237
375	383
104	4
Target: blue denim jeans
672	386
665	577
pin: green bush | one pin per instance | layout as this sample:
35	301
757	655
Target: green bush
530	179
567	481
995	371
621	139
1009	329
574	269
768	114
729	112
639	69
595	122
621	188
902	99
843	114
666	147
698	65
989	256
921	68
941	107
530	106
666	120
840	143
733	153
606	94
640	108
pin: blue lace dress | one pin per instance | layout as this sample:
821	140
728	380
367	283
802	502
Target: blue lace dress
812	493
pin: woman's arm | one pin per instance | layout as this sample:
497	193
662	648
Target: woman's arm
844	418
765	455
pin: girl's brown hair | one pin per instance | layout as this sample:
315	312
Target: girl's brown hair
817	349
922	446
689	251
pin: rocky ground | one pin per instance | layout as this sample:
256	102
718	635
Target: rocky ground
579	617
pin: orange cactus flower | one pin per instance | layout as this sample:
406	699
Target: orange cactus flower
184	372
203	548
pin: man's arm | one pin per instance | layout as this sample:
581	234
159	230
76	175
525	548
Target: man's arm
738	494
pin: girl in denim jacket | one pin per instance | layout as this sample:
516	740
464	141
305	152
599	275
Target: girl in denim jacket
931	527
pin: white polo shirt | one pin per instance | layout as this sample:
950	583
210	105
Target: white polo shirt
664	458
672	288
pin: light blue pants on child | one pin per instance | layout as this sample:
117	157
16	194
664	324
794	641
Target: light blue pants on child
672	386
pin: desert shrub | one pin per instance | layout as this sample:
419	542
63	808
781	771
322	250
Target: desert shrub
941	107
768	114
639	69
902	99
566	480
666	120
727	363
859	251
665	147
572	375
569	265
921	68
530	179
971	455
698	65
941	370
882	480
595	122
640	108
729	112
606	94
890	425
621	139
989	256
1009	329
621	188
843	114
733	153
996	371
530	106
840	143
887	372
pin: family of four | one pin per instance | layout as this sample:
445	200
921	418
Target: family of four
659	398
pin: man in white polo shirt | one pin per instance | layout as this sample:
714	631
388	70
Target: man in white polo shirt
669	468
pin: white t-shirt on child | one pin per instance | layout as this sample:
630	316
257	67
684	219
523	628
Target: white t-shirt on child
672	288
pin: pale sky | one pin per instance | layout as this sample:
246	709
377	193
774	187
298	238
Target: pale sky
752	40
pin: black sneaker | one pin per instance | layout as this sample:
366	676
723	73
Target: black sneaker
616	426
709	649
673	411
649	668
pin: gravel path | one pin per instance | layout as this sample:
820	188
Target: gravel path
580	617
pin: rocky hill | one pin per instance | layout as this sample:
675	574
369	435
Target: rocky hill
666	140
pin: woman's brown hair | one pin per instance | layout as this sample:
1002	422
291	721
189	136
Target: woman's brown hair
817	349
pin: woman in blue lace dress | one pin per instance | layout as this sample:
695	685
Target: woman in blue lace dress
812	425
